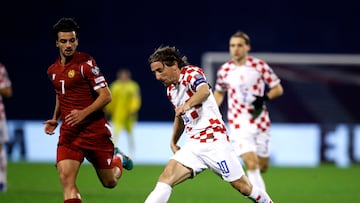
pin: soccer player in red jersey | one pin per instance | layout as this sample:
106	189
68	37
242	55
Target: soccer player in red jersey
81	96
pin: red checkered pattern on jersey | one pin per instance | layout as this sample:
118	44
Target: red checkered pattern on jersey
263	121
209	135
267	73
238	108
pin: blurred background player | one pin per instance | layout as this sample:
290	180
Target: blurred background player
207	144
124	107
17	141
81	96
5	91
244	79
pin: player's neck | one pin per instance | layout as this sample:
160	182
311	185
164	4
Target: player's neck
240	62
66	59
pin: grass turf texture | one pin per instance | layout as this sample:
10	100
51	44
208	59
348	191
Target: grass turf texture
38	182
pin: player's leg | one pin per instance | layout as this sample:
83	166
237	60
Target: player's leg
252	169
129	128
68	170
3	167
263	163
245	146
174	173
68	163
117	126
107	165
4	137
253	192
127	162
224	161
263	150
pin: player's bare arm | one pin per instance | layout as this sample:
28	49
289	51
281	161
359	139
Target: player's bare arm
275	92
201	94
51	124
6	92
219	97
77	115
178	129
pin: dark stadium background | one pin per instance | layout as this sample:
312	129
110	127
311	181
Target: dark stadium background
124	33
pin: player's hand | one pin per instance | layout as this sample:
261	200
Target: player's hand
74	117
258	105
180	110
50	126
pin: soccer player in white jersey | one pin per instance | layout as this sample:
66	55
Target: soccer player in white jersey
207	144
245	78
5	91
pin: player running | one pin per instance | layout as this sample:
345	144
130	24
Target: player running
207	144
81	95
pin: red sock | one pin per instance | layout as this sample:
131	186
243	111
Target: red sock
116	162
72	201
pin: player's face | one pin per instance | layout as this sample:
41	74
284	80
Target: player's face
166	74
67	43
238	48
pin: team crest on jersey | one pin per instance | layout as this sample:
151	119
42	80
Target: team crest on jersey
95	70
71	73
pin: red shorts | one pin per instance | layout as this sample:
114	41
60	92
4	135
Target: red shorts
99	159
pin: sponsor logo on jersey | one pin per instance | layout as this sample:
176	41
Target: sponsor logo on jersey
95	70
71	73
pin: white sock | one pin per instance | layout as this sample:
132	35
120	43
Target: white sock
256	178
3	165
160	194
259	195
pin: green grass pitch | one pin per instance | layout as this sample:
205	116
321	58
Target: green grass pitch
38	182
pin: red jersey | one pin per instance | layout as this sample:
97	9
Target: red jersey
75	85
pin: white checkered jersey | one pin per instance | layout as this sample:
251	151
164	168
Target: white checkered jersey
203	122
241	84
4	82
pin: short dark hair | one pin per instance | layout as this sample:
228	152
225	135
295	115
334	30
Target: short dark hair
65	25
243	35
168	55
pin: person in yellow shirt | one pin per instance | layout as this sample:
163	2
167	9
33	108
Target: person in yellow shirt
124	107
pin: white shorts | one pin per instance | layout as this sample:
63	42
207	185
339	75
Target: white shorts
4	137
219	156
250	140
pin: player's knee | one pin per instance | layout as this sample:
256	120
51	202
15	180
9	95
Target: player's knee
109	184
251	164
264	167
66	179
